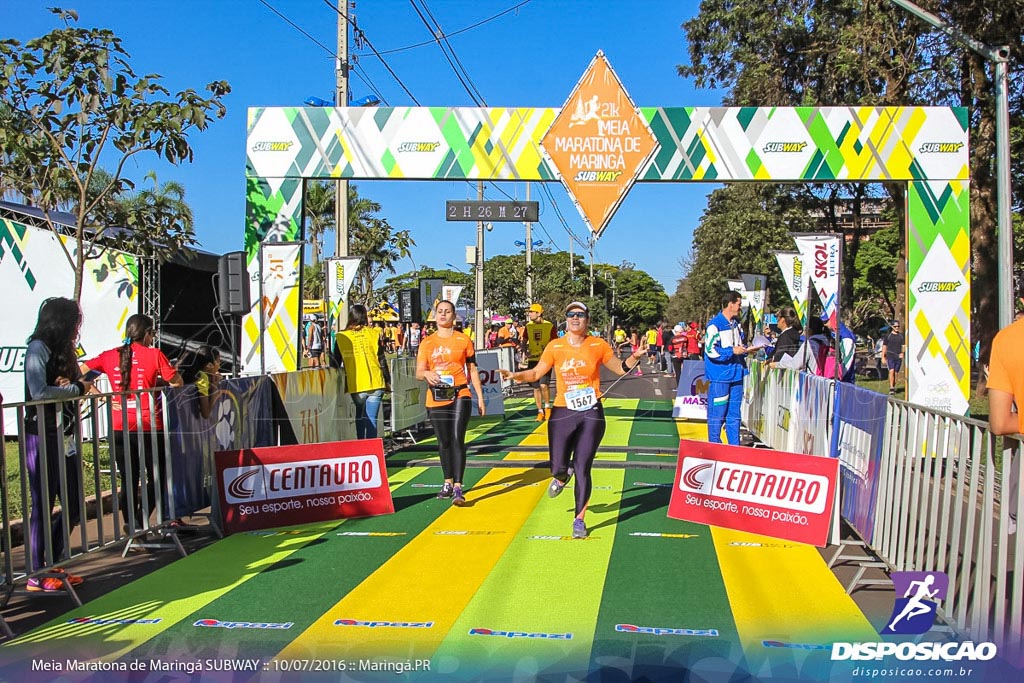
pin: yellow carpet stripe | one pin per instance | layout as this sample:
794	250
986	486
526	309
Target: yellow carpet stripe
772	585
431	579
528	590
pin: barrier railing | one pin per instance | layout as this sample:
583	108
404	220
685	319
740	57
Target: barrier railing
921	487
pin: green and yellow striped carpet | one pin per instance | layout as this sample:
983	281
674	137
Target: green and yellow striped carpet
495	590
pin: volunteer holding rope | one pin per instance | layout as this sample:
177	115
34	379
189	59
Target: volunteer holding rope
577	421
444	360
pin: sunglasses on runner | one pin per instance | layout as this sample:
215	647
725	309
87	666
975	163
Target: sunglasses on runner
576	314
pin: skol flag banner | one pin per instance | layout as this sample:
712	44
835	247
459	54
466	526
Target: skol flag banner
787	496
341	273
795	274
755	286
430	294
822	254
261	488
738	286
280	300
452	293
599	143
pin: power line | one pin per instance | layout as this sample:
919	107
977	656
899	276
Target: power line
298	28
452	51
458	74
461	30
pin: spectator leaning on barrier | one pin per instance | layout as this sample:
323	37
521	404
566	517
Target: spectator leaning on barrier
366	369
203	370
133	366
724	367
788	342
1006	395
52	373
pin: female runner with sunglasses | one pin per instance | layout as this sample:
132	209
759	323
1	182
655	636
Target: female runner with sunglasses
577	421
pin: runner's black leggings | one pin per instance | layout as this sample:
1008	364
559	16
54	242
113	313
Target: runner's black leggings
450	427
575	435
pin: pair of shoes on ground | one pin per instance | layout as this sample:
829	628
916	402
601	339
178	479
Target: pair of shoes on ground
448	490
50	584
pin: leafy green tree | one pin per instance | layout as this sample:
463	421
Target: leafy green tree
875	286
319	205
71	99
639	299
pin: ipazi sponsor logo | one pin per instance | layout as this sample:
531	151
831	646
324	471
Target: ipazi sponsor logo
383	624
99	621
519	634
12	358
666	631
940	147
785	146
418	146
795	646
272	146
304	478
217	623
752	484
939	286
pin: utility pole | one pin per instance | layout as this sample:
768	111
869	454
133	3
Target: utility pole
591	244
529	253
341	100
478	295
1000	58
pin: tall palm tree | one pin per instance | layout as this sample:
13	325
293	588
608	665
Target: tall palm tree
319	205
375	241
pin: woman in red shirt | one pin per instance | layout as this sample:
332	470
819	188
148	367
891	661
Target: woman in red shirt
136	365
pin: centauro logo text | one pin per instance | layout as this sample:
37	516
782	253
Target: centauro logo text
418	146
940	147
785	146
938	287
272	146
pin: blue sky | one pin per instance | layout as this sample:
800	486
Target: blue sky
532	56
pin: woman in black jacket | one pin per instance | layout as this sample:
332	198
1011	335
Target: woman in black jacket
789	340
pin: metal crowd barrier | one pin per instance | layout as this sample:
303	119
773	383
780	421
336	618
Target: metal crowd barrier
940	505
81	452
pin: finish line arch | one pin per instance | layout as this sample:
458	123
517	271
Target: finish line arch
925	147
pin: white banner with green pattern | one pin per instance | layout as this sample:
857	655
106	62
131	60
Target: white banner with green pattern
926	147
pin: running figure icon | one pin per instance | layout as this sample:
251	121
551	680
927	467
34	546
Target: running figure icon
915	611
915	607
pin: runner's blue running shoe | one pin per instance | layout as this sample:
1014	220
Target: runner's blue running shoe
579	528
458	499
556	488
446	490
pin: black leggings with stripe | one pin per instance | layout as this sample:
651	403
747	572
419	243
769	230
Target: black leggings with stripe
449	422
575	435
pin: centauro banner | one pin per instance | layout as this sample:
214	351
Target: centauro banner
33	268
823	255
795	274
787	496
262	488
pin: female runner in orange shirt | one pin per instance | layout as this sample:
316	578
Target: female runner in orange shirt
577	422
443	361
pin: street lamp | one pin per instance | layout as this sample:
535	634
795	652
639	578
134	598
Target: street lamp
534	243
1000	58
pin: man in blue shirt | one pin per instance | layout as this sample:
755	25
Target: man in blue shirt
724	368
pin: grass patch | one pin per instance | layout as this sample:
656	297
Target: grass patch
12	462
